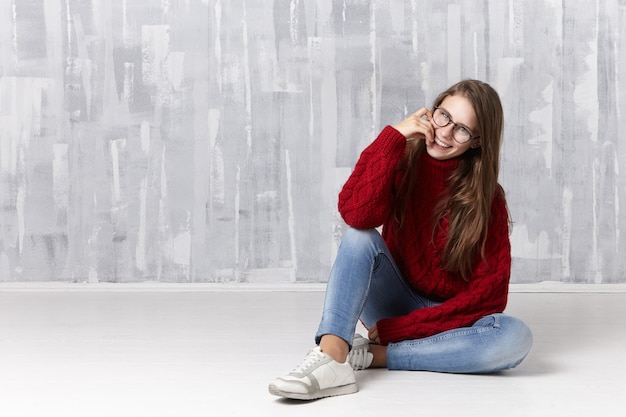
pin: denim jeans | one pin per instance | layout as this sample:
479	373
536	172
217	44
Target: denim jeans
365	284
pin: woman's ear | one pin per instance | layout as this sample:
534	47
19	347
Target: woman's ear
475	144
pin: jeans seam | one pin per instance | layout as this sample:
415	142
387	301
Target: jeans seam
422	301
453	334
367	290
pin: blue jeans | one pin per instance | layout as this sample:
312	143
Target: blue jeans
365	284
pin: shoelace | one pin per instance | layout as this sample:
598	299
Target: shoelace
311	358
359	358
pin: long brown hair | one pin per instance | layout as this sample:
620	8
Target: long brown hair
471	186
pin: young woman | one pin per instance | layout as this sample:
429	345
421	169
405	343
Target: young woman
432	288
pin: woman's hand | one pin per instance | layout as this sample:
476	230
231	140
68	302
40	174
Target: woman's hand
417	125
372	334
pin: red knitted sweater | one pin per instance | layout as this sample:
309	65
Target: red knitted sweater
366	201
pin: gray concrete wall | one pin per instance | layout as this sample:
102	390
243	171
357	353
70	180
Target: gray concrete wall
206	141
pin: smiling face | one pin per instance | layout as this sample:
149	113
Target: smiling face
461	113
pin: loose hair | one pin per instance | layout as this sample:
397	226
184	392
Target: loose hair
472	185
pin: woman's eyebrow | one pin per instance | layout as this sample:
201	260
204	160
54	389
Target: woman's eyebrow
456	123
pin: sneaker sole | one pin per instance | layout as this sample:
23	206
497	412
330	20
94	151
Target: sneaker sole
328	392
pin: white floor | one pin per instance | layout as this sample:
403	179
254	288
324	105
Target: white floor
210	353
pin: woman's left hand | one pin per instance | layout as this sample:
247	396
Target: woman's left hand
372	334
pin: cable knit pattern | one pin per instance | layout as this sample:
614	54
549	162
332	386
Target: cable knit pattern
366	201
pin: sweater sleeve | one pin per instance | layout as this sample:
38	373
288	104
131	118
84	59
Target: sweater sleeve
486	294
367	196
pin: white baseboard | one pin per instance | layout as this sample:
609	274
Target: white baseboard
547	287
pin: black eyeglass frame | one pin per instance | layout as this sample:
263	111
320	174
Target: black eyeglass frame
454	126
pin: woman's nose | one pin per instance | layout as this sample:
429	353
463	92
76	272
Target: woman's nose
447	129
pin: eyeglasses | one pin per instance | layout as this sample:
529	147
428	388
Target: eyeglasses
460	133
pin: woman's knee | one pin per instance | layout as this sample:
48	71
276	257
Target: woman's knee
361	237
519	338
520	330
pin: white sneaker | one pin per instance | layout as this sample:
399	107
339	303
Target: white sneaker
360	356
318	376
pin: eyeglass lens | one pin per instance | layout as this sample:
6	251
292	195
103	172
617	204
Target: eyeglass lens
459	133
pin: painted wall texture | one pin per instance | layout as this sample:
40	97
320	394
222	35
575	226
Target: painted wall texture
206	141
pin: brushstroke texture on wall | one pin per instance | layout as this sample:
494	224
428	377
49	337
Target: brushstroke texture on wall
206	140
